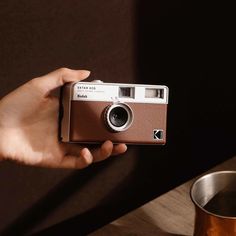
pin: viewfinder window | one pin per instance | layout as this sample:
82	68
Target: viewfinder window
126	92
154	93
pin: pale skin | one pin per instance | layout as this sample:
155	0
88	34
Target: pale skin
29	126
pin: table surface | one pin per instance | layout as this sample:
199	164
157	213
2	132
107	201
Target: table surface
170	214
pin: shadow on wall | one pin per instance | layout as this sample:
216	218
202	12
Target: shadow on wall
41	209
38	216
177	43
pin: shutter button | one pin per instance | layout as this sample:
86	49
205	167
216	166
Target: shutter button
97	81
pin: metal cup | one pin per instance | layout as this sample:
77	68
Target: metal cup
214	197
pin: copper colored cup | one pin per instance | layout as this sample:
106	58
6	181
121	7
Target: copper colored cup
214	197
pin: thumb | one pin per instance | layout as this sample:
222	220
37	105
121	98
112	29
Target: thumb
57	78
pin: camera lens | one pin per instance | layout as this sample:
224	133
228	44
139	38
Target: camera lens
119	117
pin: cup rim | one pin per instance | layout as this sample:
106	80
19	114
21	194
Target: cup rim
206	176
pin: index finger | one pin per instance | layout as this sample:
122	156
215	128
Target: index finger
57	78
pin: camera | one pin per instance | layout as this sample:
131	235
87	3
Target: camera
92	112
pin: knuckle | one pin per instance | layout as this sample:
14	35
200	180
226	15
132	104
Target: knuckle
64	70
35	85
82	162
36	161
106	152
87	161
33	81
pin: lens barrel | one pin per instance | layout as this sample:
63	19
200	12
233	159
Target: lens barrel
118	117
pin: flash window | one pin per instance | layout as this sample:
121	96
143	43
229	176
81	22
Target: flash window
154	93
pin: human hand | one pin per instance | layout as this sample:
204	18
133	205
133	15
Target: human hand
29	126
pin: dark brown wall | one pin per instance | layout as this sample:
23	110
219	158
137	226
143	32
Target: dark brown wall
176	43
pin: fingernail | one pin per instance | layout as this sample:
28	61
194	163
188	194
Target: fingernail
125	148
87	155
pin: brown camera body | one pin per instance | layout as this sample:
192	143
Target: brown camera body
92	112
